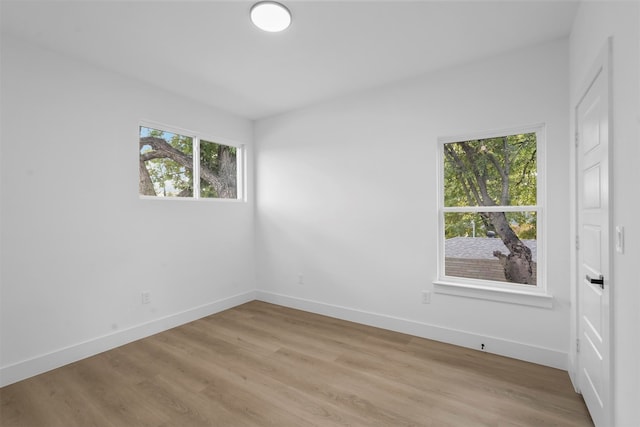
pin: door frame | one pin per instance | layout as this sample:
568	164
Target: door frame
601	65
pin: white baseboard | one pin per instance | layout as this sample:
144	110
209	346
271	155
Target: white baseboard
517	350
55	359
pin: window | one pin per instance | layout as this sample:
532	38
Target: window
176	165
491	218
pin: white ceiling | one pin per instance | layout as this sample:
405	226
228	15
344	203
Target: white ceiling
209	50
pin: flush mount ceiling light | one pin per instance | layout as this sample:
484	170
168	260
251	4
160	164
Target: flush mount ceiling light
270	16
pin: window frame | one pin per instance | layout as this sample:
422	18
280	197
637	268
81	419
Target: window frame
514	293
196	137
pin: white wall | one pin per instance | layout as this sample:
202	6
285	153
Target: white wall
347	200
346	195
594	23
78	245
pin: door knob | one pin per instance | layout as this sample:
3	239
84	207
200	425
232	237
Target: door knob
598	281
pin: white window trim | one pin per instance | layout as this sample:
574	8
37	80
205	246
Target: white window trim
241	162
537	296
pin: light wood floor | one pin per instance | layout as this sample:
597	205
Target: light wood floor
264	365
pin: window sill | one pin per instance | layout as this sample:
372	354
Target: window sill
533	299
193	199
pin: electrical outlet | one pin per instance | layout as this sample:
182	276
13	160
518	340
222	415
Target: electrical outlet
300	279
426	297
146	297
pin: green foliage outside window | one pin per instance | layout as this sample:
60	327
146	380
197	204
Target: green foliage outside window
167	167
506	166
494	172
169	178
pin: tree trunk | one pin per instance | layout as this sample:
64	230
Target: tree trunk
227	175
145	185
518	264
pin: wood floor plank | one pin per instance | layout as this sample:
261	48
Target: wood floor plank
240	373
264	365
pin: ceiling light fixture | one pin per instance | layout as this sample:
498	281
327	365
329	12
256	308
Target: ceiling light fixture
270	16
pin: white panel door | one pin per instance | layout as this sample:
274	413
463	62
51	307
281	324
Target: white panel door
594	284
